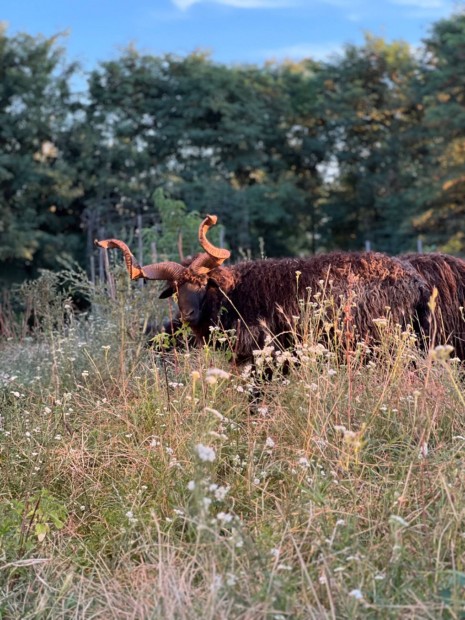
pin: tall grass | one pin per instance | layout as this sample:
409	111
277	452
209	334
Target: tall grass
141	484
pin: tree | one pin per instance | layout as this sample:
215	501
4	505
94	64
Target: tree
439	190
228	140
36	183
370	112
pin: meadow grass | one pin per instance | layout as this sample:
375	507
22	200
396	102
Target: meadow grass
138	484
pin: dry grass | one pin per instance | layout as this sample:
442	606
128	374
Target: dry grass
141	486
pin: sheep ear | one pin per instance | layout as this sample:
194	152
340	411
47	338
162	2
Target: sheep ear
167	292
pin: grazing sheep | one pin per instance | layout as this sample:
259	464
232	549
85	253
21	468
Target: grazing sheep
259	298
447	274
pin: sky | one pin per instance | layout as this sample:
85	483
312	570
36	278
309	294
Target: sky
232	31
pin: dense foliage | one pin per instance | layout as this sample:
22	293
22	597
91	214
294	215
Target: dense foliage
293	157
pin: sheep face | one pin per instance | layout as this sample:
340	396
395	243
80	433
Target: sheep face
191	298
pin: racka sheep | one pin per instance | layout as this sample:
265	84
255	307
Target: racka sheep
447	274
259	299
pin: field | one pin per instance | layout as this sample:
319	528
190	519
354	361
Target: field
138	484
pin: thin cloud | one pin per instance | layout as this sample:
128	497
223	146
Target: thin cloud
422	4
423	9
304	50
238	4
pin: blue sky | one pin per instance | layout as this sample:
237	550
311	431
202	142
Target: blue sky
233	31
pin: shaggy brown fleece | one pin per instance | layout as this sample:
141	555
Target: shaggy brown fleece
447	274
260	297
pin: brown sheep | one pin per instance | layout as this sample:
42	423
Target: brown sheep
447	274
259	298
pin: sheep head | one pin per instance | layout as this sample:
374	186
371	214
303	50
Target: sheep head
190	283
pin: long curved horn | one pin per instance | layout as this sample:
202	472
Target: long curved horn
204	263
168	270
158	271
132	265
219	254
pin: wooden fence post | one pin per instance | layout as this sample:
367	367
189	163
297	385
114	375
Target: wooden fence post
140	252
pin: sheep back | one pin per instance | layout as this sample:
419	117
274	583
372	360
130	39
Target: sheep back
447	274
261	297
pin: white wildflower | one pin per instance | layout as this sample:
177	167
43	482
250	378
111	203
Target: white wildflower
423	453
399	520
221	492
224	517
205	453
214	412
131	517
317	349
442	352
356	594
219	373
173	384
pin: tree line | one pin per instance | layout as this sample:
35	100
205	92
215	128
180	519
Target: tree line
294	157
